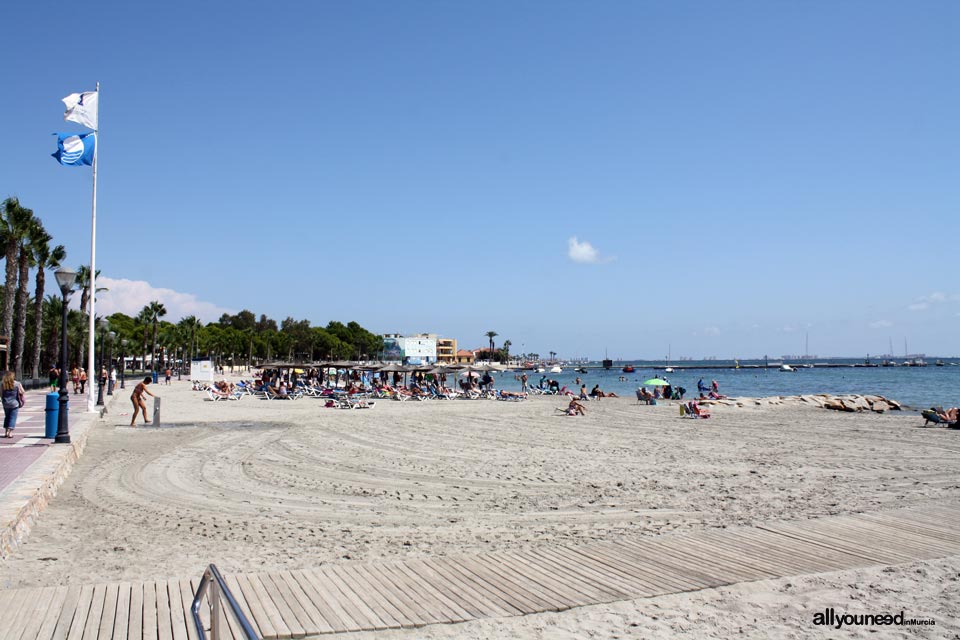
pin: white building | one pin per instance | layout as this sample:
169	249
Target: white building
420	348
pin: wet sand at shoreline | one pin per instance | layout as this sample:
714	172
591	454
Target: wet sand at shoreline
256	485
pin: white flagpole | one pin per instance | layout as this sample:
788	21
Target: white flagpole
93	376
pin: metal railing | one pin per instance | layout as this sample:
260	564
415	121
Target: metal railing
213	586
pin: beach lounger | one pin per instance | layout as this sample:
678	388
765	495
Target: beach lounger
932	415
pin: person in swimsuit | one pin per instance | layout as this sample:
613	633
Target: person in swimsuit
138	402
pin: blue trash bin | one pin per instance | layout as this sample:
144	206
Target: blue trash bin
53	415
156	376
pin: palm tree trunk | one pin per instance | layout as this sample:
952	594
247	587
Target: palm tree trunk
153	354
38	322
144	361
9	290
23	299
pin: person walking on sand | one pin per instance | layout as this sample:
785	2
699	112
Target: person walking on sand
139	404
167	375
83	380
13	400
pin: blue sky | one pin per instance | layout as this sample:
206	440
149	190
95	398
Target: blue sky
744	173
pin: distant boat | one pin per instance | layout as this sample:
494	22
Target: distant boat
541	370
581	369
786	367
628	369
668	370
556	369
939	363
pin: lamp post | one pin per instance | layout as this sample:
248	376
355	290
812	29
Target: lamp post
123	359
180	365
65	280
104	325
111	336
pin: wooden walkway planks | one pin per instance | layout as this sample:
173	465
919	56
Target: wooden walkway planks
417	592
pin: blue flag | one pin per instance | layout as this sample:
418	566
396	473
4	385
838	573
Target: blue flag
75	149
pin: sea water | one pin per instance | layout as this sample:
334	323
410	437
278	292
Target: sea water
918	387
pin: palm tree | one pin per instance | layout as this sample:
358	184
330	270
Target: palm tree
491	335
54	314
15	222
143	320
190	324
83	283
506	349
36	235
43	258
155	310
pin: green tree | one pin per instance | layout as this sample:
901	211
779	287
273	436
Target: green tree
35	233
143	320
155	311
15	222
490	336
44	257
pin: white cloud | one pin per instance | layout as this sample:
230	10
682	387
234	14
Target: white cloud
583	252
711	331
937	297
880	324
130	296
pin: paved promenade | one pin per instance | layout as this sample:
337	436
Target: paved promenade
33	467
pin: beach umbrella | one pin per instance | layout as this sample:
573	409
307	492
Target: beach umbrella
656	382
442	371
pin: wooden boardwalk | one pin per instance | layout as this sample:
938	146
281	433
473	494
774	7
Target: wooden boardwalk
360	596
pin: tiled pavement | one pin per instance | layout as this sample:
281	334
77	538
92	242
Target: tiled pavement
28	444
33	467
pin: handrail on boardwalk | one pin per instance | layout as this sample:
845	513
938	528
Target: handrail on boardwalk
213	586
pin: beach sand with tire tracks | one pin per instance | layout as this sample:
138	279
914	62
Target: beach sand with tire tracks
267	485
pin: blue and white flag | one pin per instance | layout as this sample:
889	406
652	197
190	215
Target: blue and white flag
82	108
75	149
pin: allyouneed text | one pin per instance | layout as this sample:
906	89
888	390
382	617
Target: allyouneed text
830	618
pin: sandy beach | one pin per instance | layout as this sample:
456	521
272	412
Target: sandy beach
256	485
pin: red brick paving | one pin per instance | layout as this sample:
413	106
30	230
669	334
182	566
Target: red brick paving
27	444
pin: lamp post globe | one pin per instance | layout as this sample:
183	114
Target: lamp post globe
66	279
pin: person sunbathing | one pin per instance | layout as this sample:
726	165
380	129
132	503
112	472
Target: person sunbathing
948	415
512	394
597	393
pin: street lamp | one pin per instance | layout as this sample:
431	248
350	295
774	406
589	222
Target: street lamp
110	338
66	278
104	325
123	359
180	365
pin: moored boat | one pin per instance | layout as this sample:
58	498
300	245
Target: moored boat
628	369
